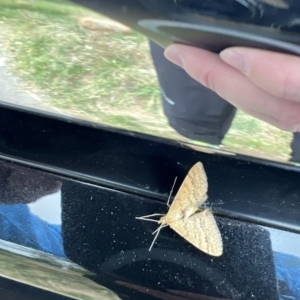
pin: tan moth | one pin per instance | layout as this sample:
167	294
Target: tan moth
197	226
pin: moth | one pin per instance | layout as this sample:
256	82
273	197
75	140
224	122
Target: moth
198	226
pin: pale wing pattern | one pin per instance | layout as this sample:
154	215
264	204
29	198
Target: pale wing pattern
192	191
202	231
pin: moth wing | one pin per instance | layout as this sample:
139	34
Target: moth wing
202	231
193	189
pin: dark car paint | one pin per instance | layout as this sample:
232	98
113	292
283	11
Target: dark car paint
117	176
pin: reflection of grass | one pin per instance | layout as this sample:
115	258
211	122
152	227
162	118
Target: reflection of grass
100	76
257	136
79	70
54	8
48	272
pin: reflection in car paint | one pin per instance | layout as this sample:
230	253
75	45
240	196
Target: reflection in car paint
276	3
18	213
177	295
49	272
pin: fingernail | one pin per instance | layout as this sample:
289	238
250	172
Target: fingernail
235	59
171	53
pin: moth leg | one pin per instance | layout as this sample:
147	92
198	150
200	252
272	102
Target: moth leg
145	218
160	227
153	215
157	233
168	203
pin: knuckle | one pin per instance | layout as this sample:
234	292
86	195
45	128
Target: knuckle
207	78
291	87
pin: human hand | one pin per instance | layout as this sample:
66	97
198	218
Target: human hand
264	84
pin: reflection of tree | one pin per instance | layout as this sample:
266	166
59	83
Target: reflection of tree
48	272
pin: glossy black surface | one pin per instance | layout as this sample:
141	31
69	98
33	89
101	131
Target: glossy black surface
99	232
107	238
147	166
100	198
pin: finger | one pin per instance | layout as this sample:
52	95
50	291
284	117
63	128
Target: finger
276	73
235	87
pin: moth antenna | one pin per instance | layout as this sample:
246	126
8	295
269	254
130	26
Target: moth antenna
157	233
168	203
161	227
